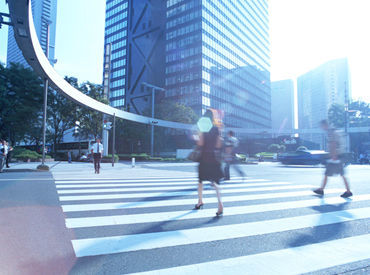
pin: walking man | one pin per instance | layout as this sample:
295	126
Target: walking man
3	153
231	143
97	152
334	165
9	154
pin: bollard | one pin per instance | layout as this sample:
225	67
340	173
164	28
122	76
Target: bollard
133	162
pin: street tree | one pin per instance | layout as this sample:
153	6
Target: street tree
90	121
336	115
20	102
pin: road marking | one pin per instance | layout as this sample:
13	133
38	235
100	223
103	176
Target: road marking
166	188
194	183
176	194
207	213
146	181
189	201
295	260
128	243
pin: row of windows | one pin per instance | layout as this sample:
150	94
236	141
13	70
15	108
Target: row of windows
183	66
183	19
116	19
183	42
116	37
116	10
118	102
186	89
113	3
183	30
115	28
206	101
182	8
173	2
118	45
117	93
232	52
240	31
118	54
243	20
119	73
183	54
182	78
119	63
117	83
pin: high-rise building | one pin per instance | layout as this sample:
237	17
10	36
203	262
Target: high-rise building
45	19
318	90
282	104
205	53
135	31
217	55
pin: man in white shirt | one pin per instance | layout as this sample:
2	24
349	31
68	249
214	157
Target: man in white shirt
97	152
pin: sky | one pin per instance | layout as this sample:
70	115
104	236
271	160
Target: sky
304	34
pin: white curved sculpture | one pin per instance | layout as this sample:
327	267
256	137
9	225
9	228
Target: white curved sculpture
27	40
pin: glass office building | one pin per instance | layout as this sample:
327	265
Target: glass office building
135	31
205	53
44	14
317	91
217	55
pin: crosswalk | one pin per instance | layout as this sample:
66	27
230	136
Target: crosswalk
155	216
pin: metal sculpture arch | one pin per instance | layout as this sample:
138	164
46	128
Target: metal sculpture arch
27	40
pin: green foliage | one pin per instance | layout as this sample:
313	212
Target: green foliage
91	122
173	111
20	103
336	115
274	148
61	116
109	158
26	154
267	155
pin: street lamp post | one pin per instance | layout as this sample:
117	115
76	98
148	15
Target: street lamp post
153	89
46	86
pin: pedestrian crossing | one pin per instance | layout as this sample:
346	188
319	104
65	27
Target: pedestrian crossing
155	216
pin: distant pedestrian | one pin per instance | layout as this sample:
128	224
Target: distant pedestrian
9	154
3	153
209	168
334	165
69	156
231	143
97	152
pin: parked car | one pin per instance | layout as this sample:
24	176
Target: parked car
303	157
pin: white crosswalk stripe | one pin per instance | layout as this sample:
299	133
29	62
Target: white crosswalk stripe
128	203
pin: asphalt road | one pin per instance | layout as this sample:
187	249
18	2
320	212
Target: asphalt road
129	220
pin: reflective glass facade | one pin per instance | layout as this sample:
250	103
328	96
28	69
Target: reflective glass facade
217	55
317	91
116	22
135	30
43	11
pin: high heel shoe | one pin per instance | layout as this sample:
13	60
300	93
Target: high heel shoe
219	213
199	206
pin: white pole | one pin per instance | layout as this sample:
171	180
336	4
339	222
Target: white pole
133	162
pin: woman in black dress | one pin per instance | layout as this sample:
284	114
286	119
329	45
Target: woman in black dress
209	165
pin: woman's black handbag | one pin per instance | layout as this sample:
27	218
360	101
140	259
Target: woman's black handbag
195	155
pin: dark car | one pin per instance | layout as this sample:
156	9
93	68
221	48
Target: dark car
303	157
